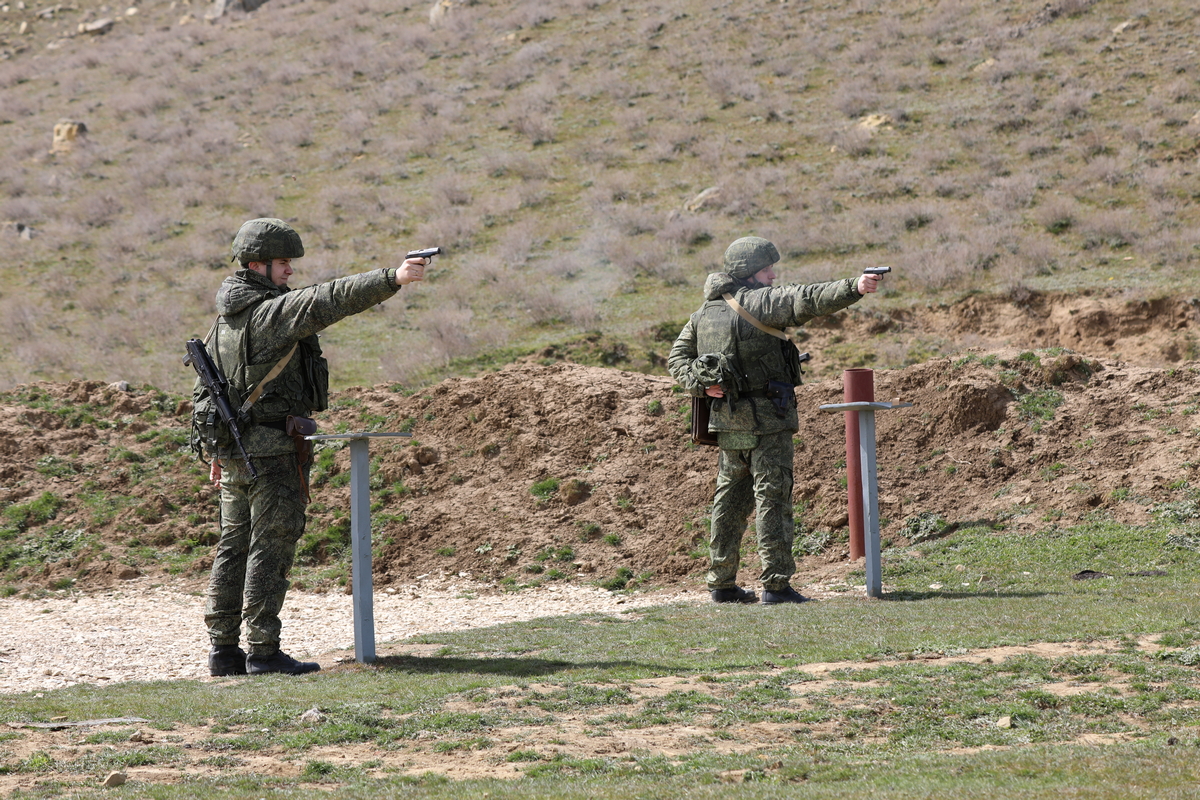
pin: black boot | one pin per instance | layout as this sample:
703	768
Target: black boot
279	662
226	659
785	595
733	595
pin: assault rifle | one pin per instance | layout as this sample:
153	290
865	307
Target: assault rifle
218	389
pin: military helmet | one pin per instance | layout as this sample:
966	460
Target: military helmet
265	239
749	255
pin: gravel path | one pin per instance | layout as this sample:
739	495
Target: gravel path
150	632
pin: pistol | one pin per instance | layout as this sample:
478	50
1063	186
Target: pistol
877	270
428	252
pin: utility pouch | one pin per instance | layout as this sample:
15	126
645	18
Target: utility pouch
781	396
298	428
700	413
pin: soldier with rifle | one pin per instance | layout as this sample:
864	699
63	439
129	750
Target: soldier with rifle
260	377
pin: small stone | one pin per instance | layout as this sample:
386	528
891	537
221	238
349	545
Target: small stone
1004	722
115	779
312	716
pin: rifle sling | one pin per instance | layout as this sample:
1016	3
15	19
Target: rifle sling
746	315
272	375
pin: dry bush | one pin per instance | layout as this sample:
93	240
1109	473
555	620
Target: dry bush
686	229
855	141
538	127
452	189
1108	170
1057	214
354	123
450	332
453	228
1171	247
729	82
519	242
1113	227
549	305
1012	192
856	97
1072	102
428	137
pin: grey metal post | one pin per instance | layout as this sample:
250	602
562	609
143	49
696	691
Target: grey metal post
361	583
870	486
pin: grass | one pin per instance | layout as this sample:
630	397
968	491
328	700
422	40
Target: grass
1021	150
902	712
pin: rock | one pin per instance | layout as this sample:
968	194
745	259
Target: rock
68	134
115	779
706	198
141	737
119	386
312	716
96	28
1004	722
437	14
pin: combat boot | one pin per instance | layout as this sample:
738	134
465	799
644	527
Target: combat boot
279	662
226	659
735	594
785	595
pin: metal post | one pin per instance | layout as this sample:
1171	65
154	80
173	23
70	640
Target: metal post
361	582
868	477
870	502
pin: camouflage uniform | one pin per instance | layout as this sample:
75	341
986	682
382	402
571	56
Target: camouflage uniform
263	519
755	462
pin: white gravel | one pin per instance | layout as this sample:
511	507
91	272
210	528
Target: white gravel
144	631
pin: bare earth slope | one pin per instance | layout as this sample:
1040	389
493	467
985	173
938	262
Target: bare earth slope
550	471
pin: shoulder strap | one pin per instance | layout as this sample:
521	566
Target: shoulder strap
746	315
270	376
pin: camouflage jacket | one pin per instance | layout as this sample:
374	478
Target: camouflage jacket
717	328
260	322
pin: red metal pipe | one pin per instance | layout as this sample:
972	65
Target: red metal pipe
859	387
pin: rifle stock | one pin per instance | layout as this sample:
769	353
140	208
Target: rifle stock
218	389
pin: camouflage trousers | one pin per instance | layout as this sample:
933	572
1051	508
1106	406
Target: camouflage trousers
758	479
261	521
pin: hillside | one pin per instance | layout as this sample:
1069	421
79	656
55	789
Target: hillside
584	163
551	471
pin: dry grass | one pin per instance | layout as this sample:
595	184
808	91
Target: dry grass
552	148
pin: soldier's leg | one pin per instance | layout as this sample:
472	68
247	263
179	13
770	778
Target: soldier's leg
223	608
732	503
771	467
277	522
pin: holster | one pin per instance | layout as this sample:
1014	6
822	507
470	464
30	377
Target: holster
701	409
781	396
298	428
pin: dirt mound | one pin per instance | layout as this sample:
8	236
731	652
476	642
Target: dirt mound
564	472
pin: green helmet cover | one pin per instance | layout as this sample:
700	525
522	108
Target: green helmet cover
749	255
266	239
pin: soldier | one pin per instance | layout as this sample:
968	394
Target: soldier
732	351
265	339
